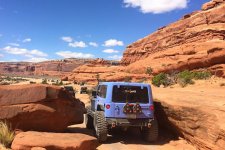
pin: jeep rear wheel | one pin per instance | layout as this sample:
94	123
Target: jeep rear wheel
150	134
88	119
100	126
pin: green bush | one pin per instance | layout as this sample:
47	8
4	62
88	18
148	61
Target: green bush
6	135
160	79
149	70
185	77
44	81
202	75
61	83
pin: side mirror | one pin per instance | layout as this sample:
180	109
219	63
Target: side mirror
94	94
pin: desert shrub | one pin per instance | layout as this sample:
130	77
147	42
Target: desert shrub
185	77
32	82
82	83
44	81
8	78
160	79
61	83
202	75
6	134
149	70
127	79
58	83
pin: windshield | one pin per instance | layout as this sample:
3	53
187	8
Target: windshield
130	94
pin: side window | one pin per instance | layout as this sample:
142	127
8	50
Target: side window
102	89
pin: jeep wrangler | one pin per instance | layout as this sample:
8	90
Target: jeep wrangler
122	104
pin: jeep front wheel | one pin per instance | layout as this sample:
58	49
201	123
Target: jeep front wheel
100	126
150	134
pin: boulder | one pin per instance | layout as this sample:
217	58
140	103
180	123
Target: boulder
39	107
53	141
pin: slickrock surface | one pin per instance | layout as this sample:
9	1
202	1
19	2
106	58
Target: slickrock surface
196	113
39	107
53	141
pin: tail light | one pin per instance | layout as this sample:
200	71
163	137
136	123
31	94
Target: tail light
151	107
107	106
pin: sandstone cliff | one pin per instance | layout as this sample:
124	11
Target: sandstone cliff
195	41
51	68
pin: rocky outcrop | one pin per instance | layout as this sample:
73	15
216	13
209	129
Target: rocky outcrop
53	141
92	73
51	68
212	4
39	107
196	41
195	115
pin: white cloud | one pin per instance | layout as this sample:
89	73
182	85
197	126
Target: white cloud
24	51
110	51
94	44
14	44
1	55
36	59
156	6
69	54
79	44
115	57
67	39
27	40
113	42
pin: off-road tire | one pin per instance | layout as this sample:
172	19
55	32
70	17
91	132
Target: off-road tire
100	126
150	134
88	119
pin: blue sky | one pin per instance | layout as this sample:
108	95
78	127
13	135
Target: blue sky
36	30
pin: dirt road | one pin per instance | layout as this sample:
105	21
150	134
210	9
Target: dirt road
131	139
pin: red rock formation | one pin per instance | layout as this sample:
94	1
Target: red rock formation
189	43
196	41
50	68
90	73
54	141
39	107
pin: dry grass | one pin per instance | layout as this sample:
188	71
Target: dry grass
6	134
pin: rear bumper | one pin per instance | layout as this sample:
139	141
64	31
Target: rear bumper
129	122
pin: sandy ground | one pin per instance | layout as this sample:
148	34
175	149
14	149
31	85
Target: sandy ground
207	93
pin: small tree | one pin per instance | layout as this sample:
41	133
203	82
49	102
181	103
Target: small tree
149	70
61	83
161	79
44	81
